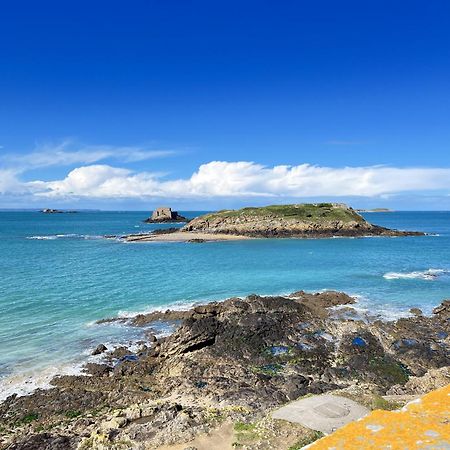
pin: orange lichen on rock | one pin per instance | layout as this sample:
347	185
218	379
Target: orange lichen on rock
421	424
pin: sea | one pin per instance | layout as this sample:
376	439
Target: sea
59	275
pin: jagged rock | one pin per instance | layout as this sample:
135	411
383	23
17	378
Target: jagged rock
433	379
45	441
97	370
133	412
151	337
114	424
99	350
443	310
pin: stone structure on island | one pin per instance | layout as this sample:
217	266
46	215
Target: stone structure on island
165	214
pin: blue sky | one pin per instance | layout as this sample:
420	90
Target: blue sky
219	104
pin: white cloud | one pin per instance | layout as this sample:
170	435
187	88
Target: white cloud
244	179
67	154
9	182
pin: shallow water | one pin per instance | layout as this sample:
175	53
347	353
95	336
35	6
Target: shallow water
57	276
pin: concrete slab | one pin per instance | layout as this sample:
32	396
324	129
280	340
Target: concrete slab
325	413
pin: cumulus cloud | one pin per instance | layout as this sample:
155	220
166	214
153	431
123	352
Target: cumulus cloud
244	179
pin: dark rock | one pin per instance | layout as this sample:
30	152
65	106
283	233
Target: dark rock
166	230
97	370
443	310
150	335
45	441
129	358
416	312
119	353
100	349
163	316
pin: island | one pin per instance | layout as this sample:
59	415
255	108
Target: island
375	210
164	214
305	220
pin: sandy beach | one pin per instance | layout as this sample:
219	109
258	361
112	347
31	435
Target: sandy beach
184	236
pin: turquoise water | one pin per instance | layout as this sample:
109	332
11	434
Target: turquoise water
57	276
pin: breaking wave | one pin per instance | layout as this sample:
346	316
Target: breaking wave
429	275
52	237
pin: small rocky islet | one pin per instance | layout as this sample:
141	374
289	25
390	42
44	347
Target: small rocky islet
164	214
233	362
306	220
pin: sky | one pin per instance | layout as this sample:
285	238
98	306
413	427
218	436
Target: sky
209	105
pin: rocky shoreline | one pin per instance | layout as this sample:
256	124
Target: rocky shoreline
225	366
321	220
299	221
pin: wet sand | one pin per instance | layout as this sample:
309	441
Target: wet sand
184	236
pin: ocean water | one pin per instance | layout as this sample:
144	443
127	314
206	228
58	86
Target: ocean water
58	276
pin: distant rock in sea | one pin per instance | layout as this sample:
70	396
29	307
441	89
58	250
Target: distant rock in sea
375	210
56	211
164	214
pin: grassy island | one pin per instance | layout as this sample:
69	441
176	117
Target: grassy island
307	212
312	220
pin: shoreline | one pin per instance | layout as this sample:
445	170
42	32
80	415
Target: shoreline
203	237
254	352
183	236
177	311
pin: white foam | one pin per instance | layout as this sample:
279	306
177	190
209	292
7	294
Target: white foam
25	383
53	237
175	306
367	310
429	275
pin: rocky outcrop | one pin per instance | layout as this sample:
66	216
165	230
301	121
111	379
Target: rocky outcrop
231	360
165	214
303	220
56	211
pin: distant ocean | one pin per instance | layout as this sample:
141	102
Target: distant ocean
58	276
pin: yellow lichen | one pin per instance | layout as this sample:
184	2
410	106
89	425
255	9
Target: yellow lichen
419	425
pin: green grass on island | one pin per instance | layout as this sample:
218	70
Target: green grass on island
308	212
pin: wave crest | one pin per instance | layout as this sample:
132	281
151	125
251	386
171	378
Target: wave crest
429	275
52	237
